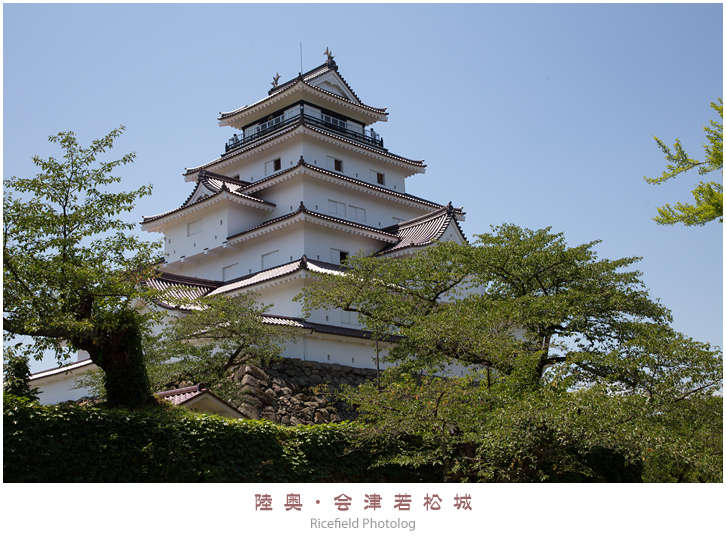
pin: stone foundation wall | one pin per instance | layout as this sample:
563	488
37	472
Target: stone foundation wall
293	391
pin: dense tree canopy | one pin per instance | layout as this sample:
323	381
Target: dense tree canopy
568	358
708	196
72	268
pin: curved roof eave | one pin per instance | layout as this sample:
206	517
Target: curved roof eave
365	230
243	115
279	176
185	208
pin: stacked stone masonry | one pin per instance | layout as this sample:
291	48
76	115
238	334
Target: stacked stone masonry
296	391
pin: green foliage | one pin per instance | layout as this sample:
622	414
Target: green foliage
169	444
125	378
708	196
571	363
510	296
214	335
16	373
71	269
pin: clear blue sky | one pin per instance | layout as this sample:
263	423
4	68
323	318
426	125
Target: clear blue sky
539	115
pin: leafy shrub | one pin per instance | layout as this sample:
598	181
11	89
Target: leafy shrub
68	443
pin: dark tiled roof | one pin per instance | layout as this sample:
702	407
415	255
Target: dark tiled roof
307	78
206	175
374	187
277	272
314	73
303	210
182	395
296	322
252	187
243	149
201	287
376	150
421	231
180	288
216	183
186	289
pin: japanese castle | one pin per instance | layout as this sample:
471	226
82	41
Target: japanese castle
303	182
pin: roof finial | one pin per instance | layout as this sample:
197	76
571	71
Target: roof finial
329	54
275	79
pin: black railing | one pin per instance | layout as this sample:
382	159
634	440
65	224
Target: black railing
324	121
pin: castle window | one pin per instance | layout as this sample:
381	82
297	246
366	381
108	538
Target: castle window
270	259
349	317
357	214
378	178
335	164
230	272
337	256
195	227
336	208
273	166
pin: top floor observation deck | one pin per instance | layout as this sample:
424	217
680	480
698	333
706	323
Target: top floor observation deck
307	115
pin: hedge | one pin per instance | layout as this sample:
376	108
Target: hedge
68	443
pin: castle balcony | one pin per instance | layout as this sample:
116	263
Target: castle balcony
307	116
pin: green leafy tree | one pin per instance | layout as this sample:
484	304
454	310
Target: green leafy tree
16	374
569	360
511	294
72	269
212	337
708	196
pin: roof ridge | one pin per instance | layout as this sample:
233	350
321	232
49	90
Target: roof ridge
418	162
369	184
201	387
302	209
187	280
305	78
205	182
71	366
311	74
419	219
204	173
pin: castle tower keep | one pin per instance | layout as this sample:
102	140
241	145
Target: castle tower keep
305	180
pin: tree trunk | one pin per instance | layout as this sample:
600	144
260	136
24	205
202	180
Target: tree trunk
118	351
